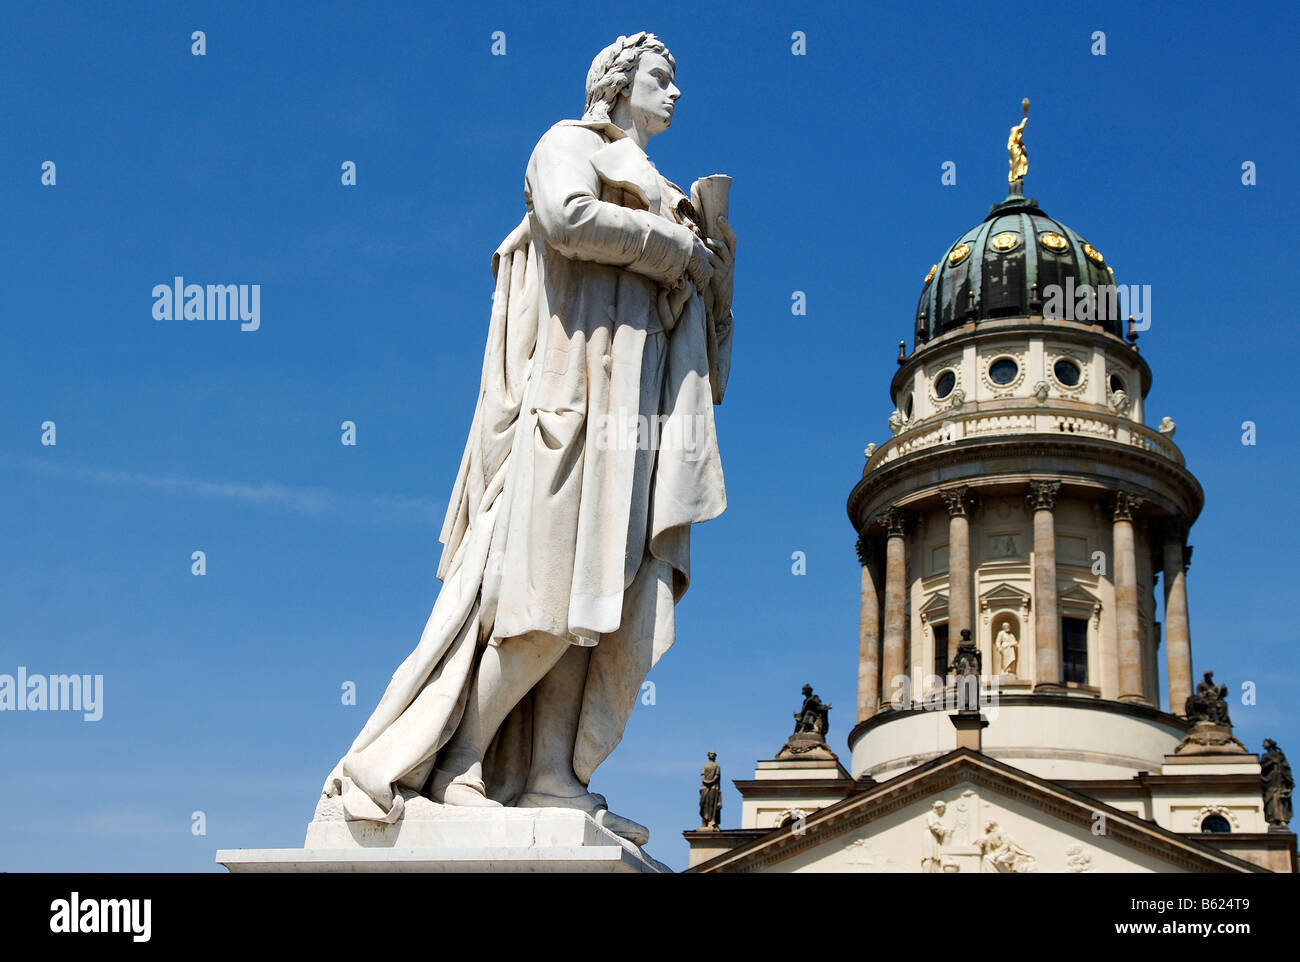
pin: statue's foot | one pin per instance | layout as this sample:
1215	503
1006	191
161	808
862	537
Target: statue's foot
634	832
595	806
465	790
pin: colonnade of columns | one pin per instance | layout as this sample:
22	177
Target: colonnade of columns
882	641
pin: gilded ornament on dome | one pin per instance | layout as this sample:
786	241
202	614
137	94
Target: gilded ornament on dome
958	254
1094	255
1005	241
1053	241
1016	149
930	276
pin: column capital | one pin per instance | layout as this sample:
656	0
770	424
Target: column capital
868	546
894	520
1042	495
1124	505
959	499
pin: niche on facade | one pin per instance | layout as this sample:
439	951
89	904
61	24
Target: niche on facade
1004	604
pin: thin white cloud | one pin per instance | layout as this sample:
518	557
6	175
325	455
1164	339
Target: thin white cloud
313	502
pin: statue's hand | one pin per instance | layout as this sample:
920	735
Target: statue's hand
722	258
699	268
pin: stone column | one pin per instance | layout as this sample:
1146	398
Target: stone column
1178	638
868	631
1047	619
892	649
959	580
1124	506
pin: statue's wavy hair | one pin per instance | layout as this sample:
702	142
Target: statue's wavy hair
613	69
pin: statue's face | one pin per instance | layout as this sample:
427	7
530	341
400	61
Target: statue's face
652	95
1006	626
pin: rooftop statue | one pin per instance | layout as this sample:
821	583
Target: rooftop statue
814	718
1275	771
710	794
1016	148
1208	703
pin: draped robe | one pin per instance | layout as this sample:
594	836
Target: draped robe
591	453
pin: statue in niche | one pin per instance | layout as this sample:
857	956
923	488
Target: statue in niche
1000	853
1005	643
1275	771
937	834
567	541
1209	703
711	794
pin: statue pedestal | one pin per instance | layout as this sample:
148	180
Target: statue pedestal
445	838
1211	738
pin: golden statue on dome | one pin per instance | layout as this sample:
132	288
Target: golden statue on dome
1016	148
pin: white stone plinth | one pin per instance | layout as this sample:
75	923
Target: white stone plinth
446	838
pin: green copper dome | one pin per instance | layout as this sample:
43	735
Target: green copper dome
1005	267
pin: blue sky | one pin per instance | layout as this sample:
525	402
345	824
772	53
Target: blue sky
222	692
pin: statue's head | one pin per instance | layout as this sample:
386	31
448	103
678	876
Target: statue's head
636	70
713	756
1209	676
1269	744
939	807
807	690
1006	626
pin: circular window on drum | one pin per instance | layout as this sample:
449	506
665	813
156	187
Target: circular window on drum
1067	372
1003	371
944	383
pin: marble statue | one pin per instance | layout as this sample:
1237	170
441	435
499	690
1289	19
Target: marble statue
711	794
1077	859
1275	771
1208	703
937	834
1001	853
566	543
1006	645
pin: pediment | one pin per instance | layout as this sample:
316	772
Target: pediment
1077	594
1005	596
937	605
993	819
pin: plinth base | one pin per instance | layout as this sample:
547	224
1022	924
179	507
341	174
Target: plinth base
446	838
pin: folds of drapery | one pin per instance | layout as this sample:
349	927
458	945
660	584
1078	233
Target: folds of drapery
423	703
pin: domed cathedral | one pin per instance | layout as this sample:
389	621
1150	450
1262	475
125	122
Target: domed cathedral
1013	534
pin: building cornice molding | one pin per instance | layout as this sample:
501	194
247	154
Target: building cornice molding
1133	709
1080	463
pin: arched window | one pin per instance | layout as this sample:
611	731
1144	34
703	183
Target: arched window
1215	823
